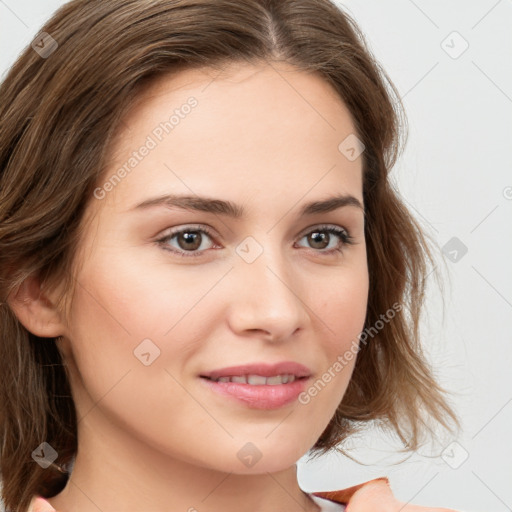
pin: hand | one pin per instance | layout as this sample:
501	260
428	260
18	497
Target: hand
376	496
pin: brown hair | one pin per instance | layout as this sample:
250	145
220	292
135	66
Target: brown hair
58	118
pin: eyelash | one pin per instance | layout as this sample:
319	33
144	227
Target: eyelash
344	235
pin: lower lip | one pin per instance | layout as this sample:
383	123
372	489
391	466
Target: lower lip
259	396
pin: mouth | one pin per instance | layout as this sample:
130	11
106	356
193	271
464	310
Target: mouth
258	380
259	386
260	374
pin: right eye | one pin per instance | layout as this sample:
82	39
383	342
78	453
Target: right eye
189	240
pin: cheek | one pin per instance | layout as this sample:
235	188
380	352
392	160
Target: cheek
342	304
343	307
125	308
131	297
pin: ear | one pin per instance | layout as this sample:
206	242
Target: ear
36	310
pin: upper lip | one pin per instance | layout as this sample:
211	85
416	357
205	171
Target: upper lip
263	369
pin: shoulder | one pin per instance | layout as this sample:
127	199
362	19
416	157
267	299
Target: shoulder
374	495
39	504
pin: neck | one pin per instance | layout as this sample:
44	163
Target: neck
113	472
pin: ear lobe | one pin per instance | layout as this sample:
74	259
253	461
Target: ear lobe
35	310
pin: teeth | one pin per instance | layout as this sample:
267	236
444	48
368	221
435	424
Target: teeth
278	379
255	380
259	380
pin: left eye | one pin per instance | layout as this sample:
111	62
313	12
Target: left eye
190	240
322	236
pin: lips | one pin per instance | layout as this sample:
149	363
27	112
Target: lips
254	373
259	386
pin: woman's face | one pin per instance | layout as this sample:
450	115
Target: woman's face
169	298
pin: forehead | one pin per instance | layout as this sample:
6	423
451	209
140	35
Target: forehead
261	128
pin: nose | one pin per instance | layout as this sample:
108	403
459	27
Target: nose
268	299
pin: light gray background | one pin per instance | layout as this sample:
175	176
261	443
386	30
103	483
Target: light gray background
456	177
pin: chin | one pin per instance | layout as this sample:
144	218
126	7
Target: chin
245	457
264	456
270	465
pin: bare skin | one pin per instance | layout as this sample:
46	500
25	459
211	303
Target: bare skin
155	437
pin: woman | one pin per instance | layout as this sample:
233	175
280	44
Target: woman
205	271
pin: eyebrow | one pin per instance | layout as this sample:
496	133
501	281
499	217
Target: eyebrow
230	209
